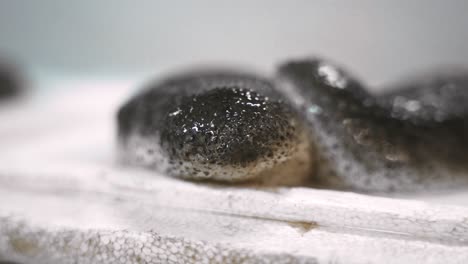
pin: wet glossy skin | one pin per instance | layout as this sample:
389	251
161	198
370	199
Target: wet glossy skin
429	99
210	126
411	139
364	145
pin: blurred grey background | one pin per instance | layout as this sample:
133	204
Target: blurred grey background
380	41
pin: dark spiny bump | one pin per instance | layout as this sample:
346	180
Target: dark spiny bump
226	125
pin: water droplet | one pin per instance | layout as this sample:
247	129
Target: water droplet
175	113
413	105
332	76
315	109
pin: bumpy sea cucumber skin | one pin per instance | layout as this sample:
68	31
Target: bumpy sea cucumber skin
363	145
228	126
432	97
213	125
